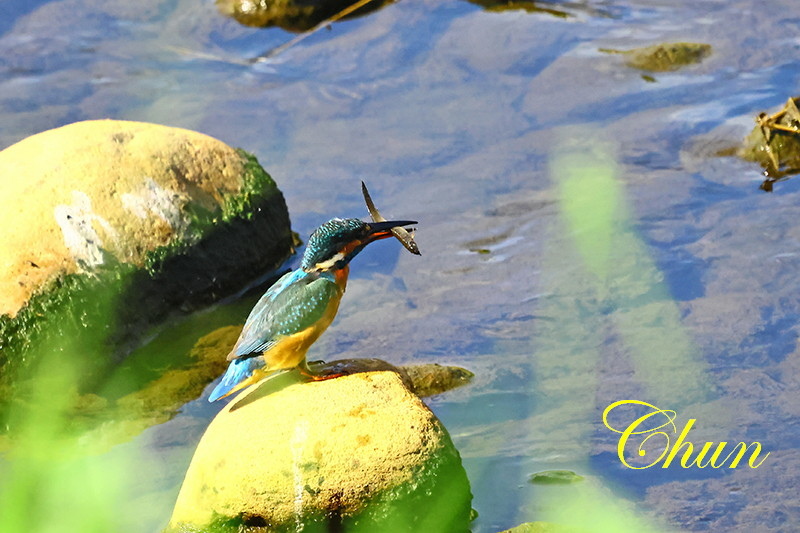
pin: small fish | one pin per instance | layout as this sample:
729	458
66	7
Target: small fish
405	237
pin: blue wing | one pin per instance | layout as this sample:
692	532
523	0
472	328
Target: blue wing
297	301
238	371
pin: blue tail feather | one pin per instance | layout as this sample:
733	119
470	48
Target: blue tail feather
238	371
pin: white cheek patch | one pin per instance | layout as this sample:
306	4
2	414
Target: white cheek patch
327	265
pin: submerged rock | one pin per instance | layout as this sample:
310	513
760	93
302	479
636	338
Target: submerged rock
356	453
542	527
291	15
103	423
107	226
531	6
166	395
664	57
555	477
775	143
431	379
423	380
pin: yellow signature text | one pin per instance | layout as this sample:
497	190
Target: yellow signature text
652	431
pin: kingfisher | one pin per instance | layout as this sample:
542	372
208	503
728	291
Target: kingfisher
295	311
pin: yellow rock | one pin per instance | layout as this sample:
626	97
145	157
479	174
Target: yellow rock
359	449
74	194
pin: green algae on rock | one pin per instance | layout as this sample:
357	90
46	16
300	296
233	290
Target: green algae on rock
108	226
360	452
664	57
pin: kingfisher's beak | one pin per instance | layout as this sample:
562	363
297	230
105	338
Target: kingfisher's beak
383	230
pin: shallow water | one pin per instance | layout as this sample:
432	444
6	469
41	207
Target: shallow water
456	117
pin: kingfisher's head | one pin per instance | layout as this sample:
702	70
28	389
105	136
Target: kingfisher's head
336	242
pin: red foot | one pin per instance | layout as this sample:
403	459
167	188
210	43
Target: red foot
323	377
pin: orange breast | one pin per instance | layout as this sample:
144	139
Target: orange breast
341	277
290	351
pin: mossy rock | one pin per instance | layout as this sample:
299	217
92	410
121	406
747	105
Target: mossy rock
109	226
664	57
356	453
